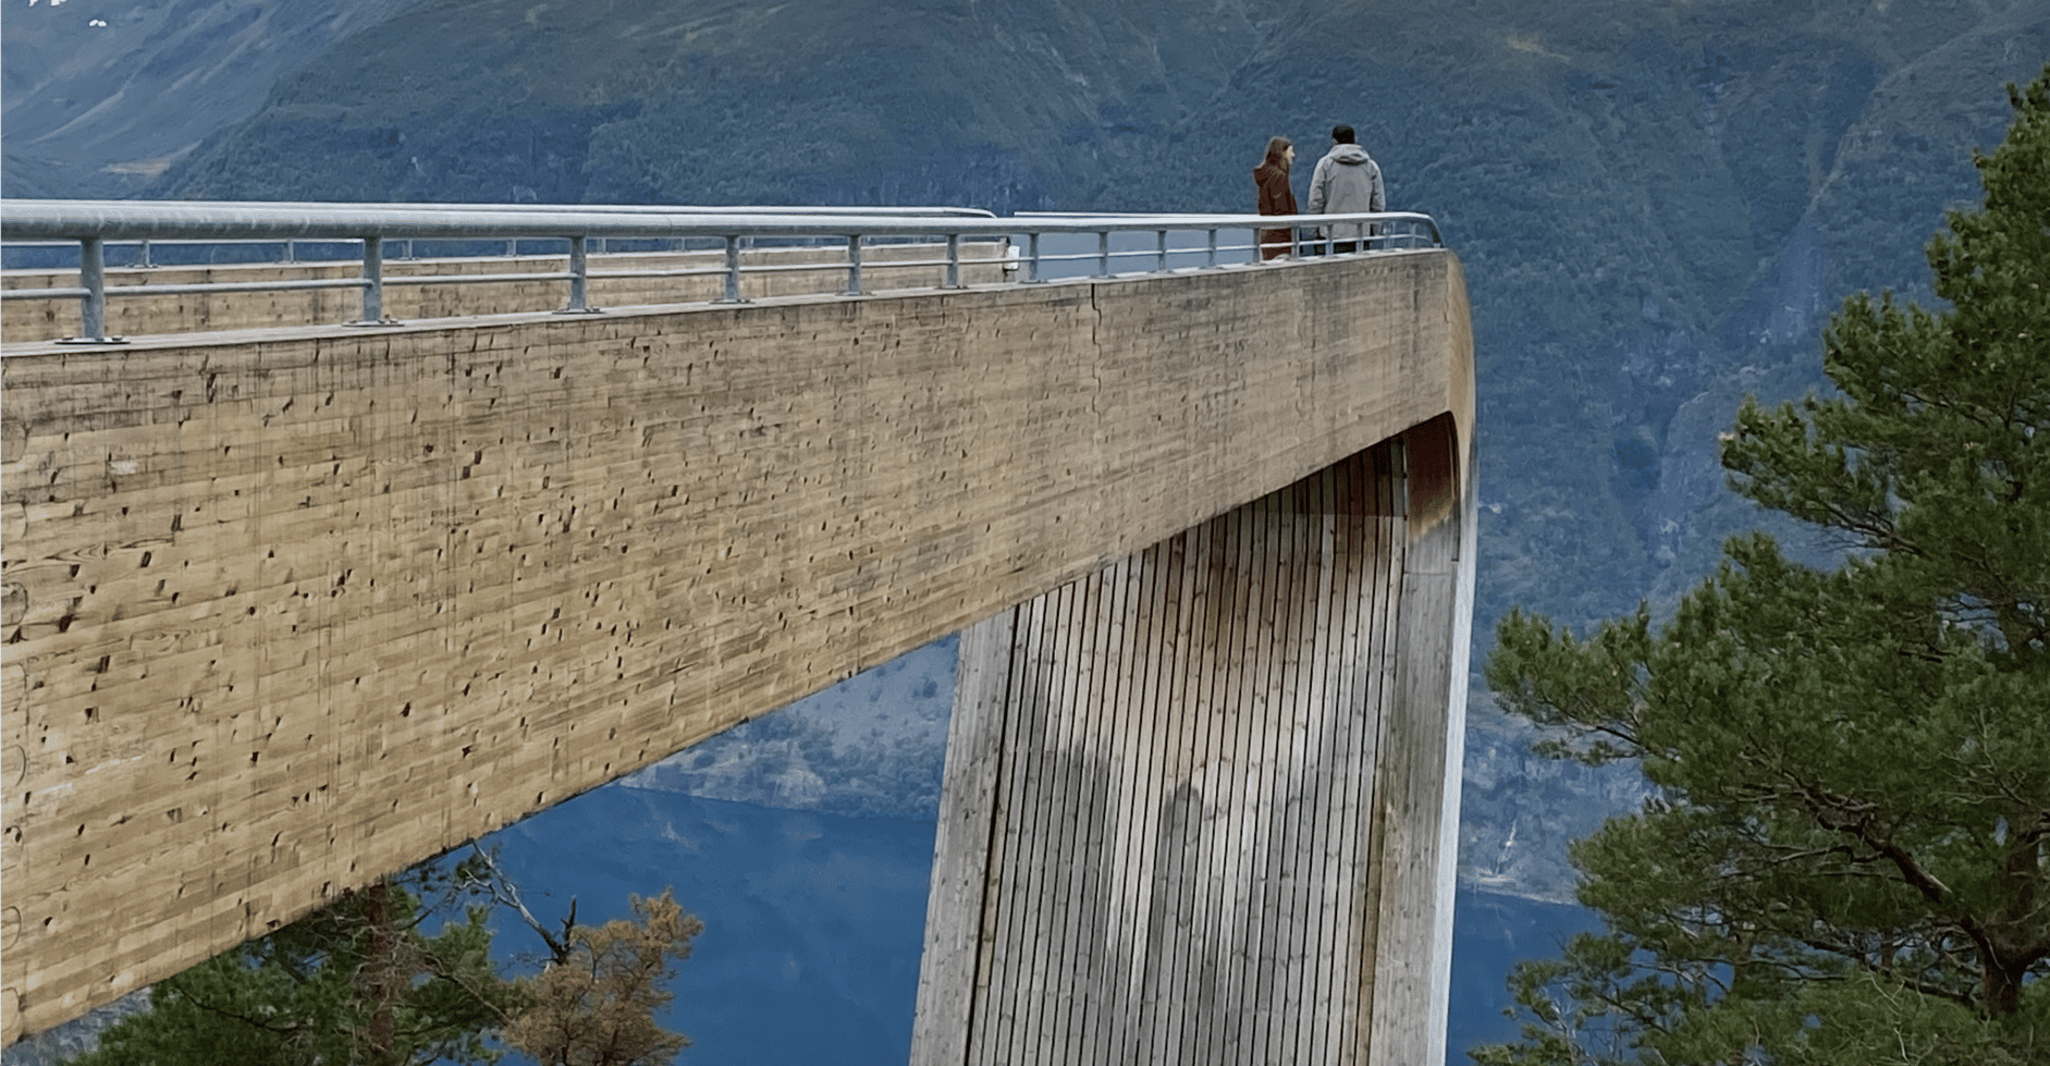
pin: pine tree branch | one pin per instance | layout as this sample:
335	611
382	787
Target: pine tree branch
505	892
254	1023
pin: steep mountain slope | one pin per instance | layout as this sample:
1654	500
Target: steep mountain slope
100	95
1657	201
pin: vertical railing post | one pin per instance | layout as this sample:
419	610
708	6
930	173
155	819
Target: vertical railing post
291	250
854	264
1212	262
1032	270
142	255
732	271
579	276
373	280
92	276
1160	258
1103	253
953	260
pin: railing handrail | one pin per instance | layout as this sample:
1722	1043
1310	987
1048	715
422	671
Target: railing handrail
192	220
93	223
42	208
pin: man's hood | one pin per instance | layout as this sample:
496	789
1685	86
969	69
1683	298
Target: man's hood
1349	154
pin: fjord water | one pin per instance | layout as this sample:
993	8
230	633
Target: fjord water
814	921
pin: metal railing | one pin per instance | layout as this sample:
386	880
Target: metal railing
94	225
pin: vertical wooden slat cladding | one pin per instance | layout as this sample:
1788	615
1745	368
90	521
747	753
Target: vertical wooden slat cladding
1217	846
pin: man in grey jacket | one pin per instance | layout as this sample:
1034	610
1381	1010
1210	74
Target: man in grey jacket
1347	180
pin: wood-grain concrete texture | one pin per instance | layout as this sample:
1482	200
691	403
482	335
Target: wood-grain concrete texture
1198	804
288	612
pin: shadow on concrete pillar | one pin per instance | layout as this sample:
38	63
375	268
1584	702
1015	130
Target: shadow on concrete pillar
1196	804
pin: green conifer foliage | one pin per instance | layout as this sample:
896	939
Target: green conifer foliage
1848	861
361	981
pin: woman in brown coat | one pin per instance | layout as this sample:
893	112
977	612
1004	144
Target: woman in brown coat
1276	198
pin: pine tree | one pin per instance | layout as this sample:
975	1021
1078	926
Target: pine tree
1845	862
596	1002
360	981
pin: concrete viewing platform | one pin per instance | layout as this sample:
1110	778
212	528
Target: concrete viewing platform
290	607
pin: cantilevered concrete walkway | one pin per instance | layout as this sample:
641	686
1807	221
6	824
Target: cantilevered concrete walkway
289	610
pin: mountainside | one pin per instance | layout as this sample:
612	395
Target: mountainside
101	95
1657	203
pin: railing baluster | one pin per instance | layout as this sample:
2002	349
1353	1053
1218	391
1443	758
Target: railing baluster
854	265
579	277
732	271
1160	259
1032	271
92	275
953	260
373	275
1212	263
1103	253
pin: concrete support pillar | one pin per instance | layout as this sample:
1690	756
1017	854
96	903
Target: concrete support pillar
1195	805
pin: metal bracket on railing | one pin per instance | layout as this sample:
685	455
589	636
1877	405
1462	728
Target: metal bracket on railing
1032	272
854	264
1160	260
953	260
1213	248
1103	253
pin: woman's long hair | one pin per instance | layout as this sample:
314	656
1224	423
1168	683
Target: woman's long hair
1277	149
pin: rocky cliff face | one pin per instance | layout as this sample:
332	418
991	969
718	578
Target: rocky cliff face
1519	812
